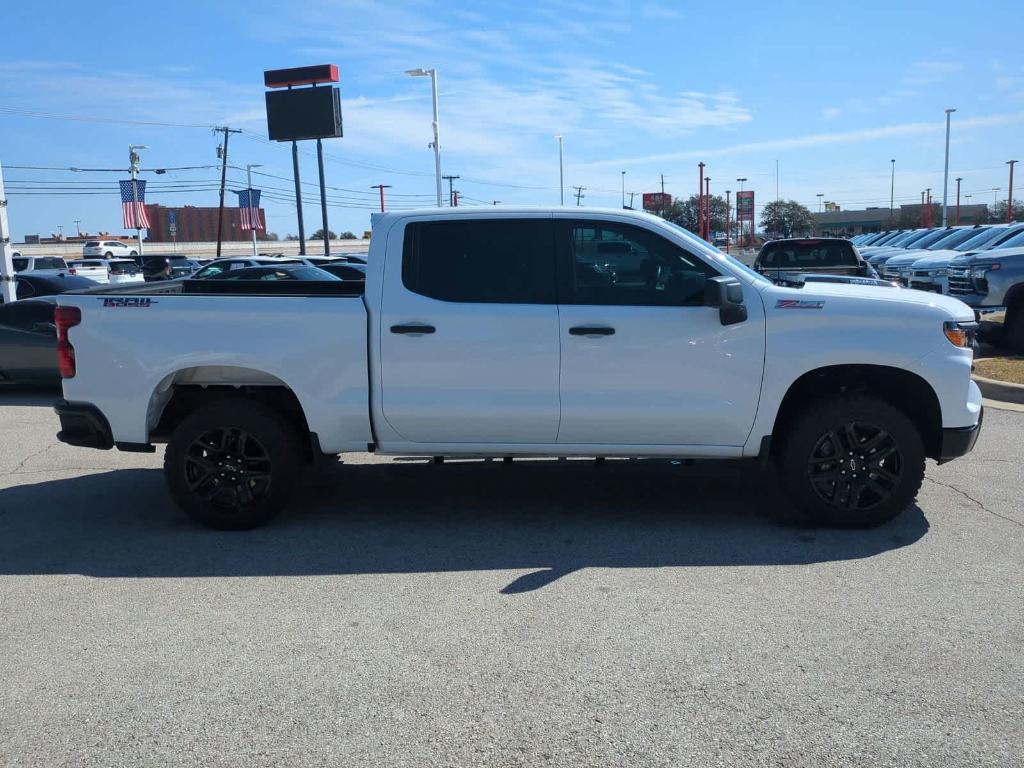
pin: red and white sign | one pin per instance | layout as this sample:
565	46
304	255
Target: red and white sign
657	201
745	206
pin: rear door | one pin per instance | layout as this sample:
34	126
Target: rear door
644	362
469	349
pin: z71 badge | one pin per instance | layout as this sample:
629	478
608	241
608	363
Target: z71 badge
797	304
127	301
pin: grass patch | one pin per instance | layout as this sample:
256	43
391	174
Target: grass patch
1003	368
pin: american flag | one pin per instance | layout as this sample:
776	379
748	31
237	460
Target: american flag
249	208
133	204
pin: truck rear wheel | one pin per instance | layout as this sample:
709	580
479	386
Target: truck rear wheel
1015	330
232	464
852	461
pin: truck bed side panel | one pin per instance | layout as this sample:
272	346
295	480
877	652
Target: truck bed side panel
315	346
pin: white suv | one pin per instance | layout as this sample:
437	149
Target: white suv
108	249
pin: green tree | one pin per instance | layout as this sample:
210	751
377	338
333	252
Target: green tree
346	235
997	213
685	213
319	235
786	218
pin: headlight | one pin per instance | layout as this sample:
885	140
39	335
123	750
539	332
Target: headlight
960	334
982	269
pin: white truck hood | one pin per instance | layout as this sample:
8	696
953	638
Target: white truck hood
954	308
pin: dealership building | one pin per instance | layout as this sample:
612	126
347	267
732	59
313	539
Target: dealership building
837	223
193	224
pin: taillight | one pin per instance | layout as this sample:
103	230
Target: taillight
72	271
65	318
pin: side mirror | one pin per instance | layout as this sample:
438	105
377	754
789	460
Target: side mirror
726	293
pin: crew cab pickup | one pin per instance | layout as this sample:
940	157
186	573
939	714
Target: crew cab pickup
490	334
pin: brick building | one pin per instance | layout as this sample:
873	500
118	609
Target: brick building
196	224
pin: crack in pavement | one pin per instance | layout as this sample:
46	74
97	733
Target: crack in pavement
31	456
976	501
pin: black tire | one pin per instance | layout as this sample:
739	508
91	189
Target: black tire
133	254
232	464
108	255
1015	330
852	461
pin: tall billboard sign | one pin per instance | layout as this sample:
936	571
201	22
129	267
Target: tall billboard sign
745	206
656	202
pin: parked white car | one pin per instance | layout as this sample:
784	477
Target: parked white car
124	271
108	249
38	263
94	269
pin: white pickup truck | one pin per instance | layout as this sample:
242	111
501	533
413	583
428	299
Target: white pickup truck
524	332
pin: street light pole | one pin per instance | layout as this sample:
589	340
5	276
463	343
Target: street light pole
623	189
741	182
133	162
432	74
254	211
728	218
958	180
945	172
892	187
561	173
1009	198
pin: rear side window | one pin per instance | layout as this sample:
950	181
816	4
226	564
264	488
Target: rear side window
92	244
50	263
20	264
803	254
508	261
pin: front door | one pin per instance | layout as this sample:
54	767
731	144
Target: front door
469	347
644	362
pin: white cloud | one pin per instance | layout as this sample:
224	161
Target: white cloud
659	12
831	113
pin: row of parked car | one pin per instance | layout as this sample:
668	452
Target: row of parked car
982	265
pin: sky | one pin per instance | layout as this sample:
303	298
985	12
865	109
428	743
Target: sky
829	93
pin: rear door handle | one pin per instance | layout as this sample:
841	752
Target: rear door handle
413	329
591	330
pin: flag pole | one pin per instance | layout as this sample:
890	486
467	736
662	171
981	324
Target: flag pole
252	211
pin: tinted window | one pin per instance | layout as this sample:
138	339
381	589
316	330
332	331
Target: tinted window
953	239
625	265
24	290
1014	241
20	264
801	254
506	261
45	262
26	315
92	243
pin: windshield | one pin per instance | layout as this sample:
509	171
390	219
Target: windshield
984	237
953	239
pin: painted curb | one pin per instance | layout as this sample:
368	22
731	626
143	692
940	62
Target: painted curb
1000	390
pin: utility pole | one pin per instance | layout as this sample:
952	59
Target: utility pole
133	166
298	198
381	187
819	195
455	199
579	195
7	289
451	189
929	205
60	232
78	226
223	181
623	189
945	171
958	180
1009	198
495	202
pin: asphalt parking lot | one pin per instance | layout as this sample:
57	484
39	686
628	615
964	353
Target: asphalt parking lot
544	613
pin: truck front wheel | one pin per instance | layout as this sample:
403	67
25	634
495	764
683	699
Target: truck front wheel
232	464
852	461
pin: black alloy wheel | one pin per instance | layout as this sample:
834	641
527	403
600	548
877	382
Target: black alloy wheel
855	466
